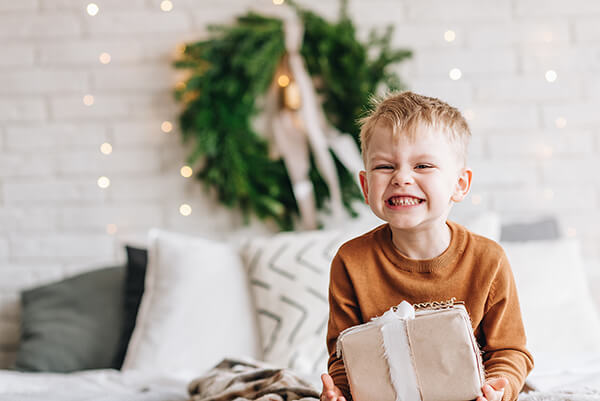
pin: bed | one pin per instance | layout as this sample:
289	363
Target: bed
212	312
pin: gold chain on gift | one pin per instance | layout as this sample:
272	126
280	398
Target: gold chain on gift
437	304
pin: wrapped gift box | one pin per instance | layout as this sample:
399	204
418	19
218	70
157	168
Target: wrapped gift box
405	355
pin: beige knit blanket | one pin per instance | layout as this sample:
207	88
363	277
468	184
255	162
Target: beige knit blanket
244	380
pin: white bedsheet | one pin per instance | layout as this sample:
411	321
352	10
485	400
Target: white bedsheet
552	373
92	385
559	372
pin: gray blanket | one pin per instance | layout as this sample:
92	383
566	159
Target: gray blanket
251	380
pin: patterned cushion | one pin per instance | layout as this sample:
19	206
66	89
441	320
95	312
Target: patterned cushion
289	277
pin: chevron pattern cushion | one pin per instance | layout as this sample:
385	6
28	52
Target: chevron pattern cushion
289	277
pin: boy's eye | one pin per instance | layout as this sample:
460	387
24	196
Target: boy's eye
383	167
422	166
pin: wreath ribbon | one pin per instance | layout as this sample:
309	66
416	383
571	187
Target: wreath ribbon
294	131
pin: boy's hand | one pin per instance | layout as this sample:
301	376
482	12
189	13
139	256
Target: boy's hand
493	389
330	392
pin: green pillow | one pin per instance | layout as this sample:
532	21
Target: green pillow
74	324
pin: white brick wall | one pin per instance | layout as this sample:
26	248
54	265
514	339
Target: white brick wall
53	214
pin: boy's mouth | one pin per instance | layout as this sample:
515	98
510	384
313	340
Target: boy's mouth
404	201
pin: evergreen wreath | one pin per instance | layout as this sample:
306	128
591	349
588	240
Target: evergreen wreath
235	66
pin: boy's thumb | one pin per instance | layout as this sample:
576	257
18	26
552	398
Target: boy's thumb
327	381
498	383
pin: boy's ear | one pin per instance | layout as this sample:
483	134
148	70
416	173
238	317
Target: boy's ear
364	185
463	185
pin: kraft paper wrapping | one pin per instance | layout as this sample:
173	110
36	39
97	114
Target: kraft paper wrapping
445	360
441	350
366	365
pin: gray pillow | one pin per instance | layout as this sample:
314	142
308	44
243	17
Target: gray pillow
544	228
74	324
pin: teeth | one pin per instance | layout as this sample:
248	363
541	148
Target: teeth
397	201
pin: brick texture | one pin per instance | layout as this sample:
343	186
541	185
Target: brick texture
535	144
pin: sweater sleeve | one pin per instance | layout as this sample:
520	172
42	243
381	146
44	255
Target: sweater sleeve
504	350
343	313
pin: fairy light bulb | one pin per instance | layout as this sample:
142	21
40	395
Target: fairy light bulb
186	171
111	229
455	74
476	199
278	2
548	194
571	232
92	9
449	35
469	115
103	182
560	122
551	76
166	5
106	148
88	100
547	37
185	209
166	126
104	58
283	80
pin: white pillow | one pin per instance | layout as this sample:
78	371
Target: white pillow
558	310
196	308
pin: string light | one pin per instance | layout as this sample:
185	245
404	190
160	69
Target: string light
166	126
469	115
283	80
560	122
571	232
92	9
104	58
88	100
455	74
278	2
106	148
181	48
186	171
449	35
166	5
551	75
111	229
547	151
103	182
185	209
476	199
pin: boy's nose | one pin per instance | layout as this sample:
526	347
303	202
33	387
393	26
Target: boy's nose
402	177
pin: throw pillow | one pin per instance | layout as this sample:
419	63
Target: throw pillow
544	228
558	310
74	324
196	308
135	274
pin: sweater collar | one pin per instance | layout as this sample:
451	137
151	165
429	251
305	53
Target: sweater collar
383	237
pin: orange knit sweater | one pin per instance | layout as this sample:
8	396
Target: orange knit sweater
368	276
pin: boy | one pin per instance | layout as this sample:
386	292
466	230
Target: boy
414	148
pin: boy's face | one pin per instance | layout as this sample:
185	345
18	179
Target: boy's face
412	184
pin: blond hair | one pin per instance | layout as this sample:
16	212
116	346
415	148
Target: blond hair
406	112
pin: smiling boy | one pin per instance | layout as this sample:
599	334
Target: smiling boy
415	149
